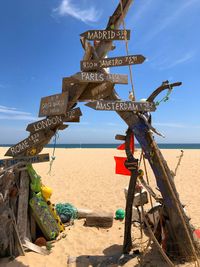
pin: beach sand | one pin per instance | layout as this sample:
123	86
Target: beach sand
86	178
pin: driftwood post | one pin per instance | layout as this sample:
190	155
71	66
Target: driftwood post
132	165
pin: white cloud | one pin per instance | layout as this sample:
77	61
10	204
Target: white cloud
170	63
168	18
11	113
67	8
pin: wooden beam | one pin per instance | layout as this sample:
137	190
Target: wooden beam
5	163
23	201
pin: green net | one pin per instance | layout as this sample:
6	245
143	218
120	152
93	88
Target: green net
67	209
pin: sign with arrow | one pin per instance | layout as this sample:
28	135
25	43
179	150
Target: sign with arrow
54	105
111	62
54	121
122	105
26	144
107	35
5	163
97	77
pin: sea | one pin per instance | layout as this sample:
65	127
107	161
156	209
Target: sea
161	146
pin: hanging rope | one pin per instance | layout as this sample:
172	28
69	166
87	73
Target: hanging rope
179	162
56	136
127	51
165	98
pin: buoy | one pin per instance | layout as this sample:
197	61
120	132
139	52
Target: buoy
119	214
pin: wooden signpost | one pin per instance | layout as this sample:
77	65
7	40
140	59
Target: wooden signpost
107	35
54	121
26	144
54	105
95	77
122	105
5	163
111	62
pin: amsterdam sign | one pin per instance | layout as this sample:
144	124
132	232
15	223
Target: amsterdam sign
122	105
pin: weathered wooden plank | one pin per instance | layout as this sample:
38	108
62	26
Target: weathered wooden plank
83	213
54	105
26	144
95	77
107	35
95	92
35	248
100	219
5	163
111	62
122	105
77	119
32	225
54	121
22	212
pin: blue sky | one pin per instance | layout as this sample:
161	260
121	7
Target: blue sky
40	44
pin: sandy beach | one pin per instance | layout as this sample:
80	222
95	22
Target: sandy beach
86	178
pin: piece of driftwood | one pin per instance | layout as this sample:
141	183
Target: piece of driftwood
100	219
32	225
132	165
95	92
23	201
5	163
83	213
140	198
111	62
29	245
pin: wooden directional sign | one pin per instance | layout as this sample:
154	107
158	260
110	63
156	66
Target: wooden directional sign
96	77
54	121
26	144
122	105
111	62
54	105
107	35
5	163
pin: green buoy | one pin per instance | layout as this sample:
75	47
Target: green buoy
119	214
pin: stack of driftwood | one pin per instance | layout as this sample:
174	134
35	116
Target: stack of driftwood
18	213
15	220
